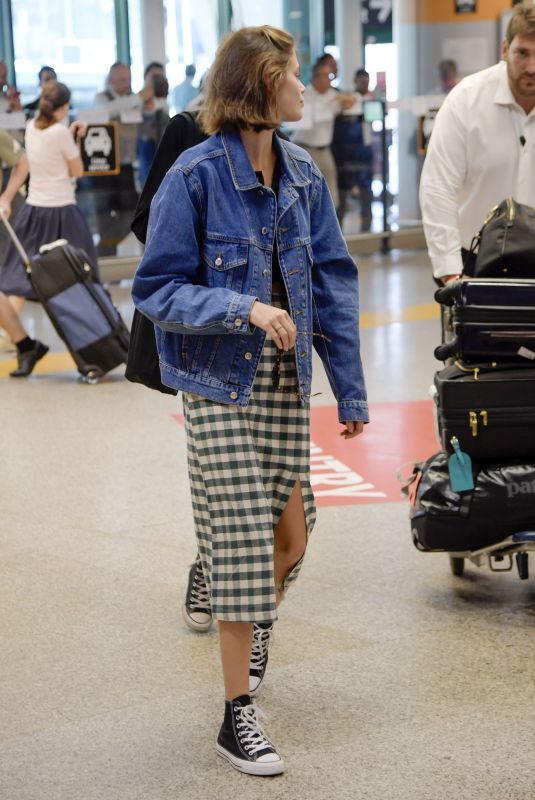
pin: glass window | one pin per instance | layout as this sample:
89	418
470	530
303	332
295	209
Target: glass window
77	39
136	44
190	38
261	12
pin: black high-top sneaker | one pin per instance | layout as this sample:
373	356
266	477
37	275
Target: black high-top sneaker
242	741
262	635
196	609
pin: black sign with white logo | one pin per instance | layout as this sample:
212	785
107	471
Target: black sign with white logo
99	151
465	6
376	16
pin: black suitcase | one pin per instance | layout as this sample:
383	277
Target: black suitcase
490	411
492	320
501	504
80	309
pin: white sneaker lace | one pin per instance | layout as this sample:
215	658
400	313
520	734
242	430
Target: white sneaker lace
252	737
199	597
262	638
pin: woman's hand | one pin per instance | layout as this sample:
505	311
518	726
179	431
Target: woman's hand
5	206
352	429
276	322
78	130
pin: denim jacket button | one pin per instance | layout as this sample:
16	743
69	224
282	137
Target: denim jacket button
264	230
234	395
237	322
218	261
265	273
248	356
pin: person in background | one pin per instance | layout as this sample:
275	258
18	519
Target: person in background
9	96
155	118
324	104
482	148
50	211
14	166
185	92
330	61
113	198
226	278
44	75
14	169
353	154
449	75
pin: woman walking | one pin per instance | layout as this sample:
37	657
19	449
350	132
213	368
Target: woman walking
50	212
245	268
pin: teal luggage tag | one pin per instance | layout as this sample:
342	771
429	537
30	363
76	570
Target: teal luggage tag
460	469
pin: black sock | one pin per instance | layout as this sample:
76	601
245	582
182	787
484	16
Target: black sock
25	345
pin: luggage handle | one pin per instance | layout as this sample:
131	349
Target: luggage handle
16	241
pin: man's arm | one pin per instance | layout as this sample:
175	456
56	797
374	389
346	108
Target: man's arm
13	155
444	172
128	102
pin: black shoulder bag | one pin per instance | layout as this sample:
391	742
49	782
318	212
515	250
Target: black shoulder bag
505	245
142	365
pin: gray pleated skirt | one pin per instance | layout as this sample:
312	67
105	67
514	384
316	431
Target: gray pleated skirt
243	465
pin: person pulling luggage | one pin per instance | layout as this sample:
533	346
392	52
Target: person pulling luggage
50	212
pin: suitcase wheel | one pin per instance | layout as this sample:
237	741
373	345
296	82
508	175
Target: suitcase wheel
92	377
446	350
457	565
522	565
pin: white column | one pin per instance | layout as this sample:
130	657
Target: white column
152	30
406	36
348	36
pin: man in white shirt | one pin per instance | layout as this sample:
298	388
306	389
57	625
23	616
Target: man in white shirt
322	105
113	198
482	148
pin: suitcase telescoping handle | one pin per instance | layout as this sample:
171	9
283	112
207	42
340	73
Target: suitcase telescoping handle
16	241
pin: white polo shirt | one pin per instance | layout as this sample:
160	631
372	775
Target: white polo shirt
475	159
318	118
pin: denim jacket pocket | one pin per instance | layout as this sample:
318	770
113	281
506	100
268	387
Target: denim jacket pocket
223	256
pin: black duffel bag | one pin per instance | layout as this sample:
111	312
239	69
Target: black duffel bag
501	504
505	245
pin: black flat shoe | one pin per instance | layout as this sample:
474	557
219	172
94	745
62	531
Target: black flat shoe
28	360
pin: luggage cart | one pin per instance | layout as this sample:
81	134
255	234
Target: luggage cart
520	545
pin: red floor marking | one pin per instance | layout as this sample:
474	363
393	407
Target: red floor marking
363	470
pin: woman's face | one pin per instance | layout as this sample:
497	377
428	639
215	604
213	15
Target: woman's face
290	93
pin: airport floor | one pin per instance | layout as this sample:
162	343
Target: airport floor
389	678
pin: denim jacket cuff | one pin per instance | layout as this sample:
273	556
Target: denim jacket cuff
353	411
237	320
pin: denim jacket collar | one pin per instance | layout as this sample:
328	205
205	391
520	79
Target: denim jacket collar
242	172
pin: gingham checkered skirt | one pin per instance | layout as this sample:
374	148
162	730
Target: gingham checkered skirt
243	464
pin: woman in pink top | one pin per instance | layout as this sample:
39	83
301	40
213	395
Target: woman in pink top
50	212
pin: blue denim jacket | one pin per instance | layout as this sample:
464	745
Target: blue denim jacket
208	258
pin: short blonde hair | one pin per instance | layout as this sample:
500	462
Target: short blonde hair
522	22
241	89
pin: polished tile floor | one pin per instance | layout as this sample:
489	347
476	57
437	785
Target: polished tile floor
389	679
